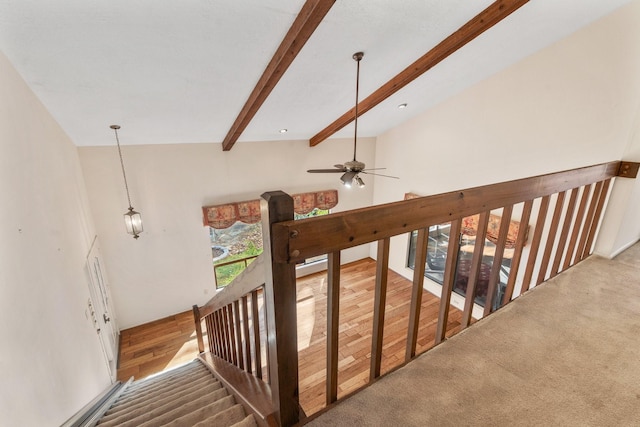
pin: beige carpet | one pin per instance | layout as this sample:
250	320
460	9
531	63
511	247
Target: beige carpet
565	354
184	397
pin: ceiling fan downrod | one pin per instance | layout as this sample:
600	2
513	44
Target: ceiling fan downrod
357	57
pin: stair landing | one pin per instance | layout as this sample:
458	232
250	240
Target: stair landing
565	353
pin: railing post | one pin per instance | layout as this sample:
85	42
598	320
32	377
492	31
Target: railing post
198	324
280	304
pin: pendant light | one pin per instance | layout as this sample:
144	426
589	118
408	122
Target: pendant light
132	219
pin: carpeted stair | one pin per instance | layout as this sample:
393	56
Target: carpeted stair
184	397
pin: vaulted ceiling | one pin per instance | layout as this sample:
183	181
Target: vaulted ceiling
181	72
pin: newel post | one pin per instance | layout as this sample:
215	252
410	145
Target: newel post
198	325
280	303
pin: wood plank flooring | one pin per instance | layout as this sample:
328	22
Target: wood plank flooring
153	347
356	324
168	342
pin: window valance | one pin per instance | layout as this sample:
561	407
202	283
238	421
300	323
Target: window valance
470	226
223	216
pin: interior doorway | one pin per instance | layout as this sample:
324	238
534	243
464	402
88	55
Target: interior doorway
100	308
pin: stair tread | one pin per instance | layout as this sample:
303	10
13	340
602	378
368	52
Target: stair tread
160	394
184	397
163	381
177	409
168	402
226	418
187	420
248	421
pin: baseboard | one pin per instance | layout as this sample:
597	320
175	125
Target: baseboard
618	251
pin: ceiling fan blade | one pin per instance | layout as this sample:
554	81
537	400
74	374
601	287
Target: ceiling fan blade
373	169
327	170
379	174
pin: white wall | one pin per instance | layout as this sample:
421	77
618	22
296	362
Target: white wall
51	363
572	104
169	268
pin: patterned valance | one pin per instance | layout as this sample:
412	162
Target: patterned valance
304	203
224	216
470	226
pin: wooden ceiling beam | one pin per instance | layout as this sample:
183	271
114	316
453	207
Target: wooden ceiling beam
310	16
486	19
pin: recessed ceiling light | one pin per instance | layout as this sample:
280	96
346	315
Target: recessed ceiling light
401	106
283	130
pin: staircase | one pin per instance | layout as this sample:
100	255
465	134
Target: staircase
186	396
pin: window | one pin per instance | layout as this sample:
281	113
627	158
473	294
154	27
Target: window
315	212
235	247
437	257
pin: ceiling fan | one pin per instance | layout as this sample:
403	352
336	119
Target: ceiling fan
351	170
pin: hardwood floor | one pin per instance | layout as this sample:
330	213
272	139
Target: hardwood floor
153	347
356	324
168	342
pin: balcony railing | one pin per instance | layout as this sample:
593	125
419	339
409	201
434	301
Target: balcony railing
562	211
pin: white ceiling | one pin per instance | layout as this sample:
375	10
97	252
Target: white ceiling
180	71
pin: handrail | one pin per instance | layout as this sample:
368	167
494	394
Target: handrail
310	237
249	280
224	264
235	261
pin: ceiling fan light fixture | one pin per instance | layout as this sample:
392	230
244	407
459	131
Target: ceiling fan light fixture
351	169
347	179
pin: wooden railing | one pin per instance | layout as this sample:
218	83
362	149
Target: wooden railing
228	263
249	325
233	321
567	207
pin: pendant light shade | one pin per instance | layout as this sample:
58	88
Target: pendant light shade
133	222
132	219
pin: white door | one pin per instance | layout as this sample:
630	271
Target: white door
101	307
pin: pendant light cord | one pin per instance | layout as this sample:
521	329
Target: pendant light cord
124	175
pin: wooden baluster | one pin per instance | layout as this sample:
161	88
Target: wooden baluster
564	234
593	204
264	335
517	253
238	329
210	334
245	330
232	335
449	279
422	242
380	300
198	325
333	308
220	329
256	333
568	259
215	333
476	265
535	243
551	238
496	266
596	219
227	331
280	305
